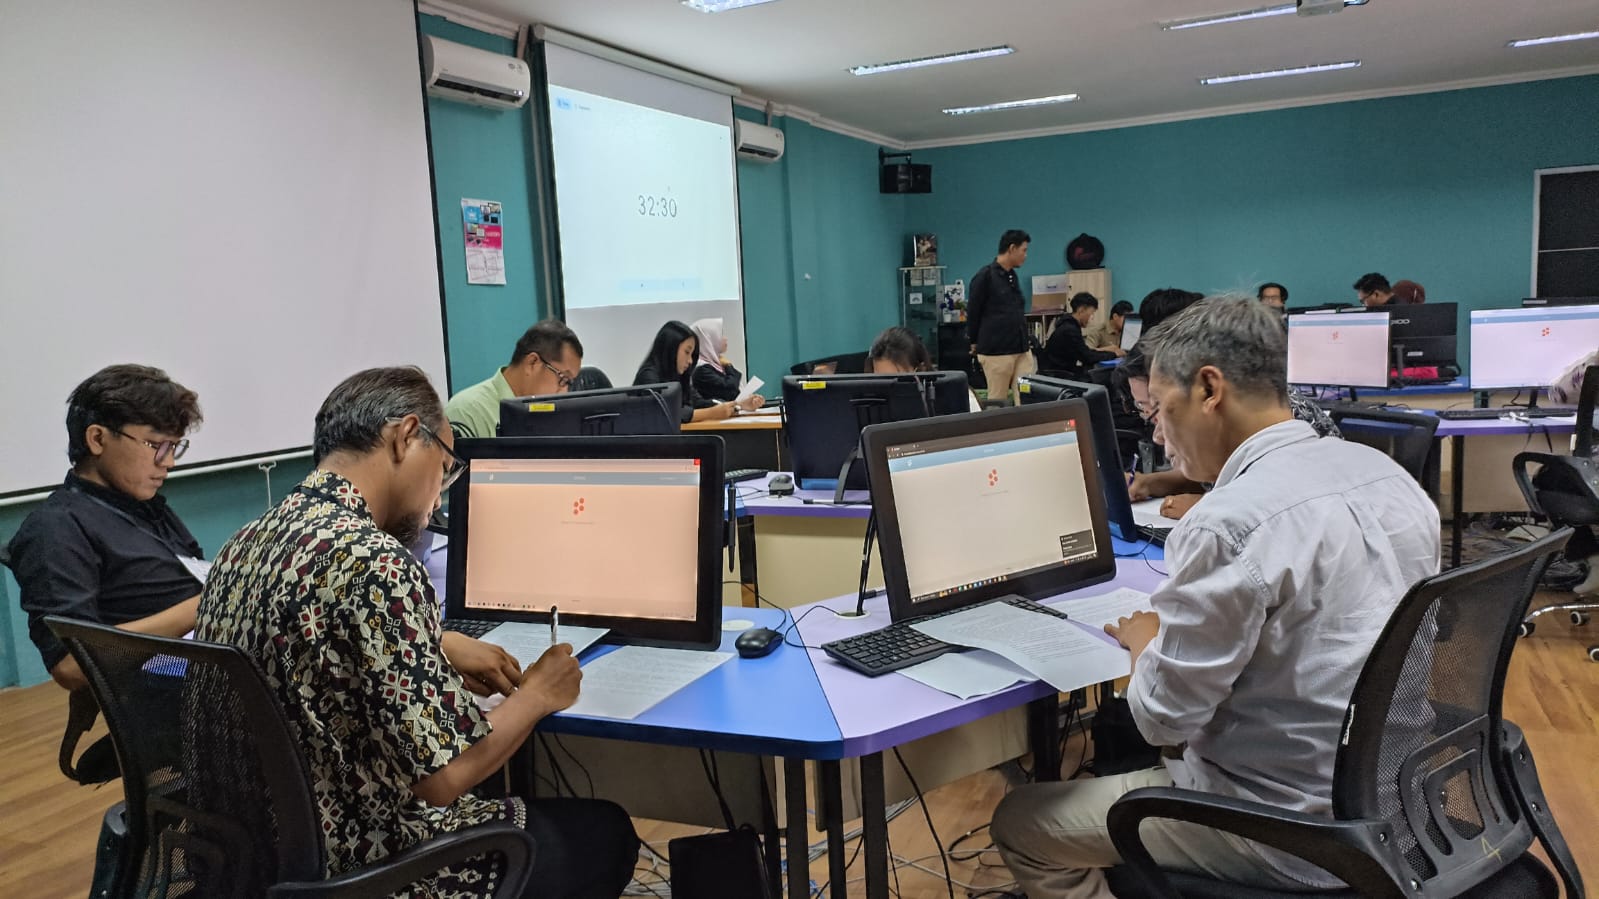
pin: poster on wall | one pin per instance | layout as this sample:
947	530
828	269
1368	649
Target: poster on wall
485	248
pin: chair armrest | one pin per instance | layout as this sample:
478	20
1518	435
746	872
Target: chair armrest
1359	853
1518	467
404	869
1529	795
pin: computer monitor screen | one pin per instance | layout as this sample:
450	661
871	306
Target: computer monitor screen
1514	348
617	532
1018	488
1530	302
1132	329
1349	350
1102	425
1425	331
645	409
823	416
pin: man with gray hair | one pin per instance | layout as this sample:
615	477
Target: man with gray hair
323	594
1280	582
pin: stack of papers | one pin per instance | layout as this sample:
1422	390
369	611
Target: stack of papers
1066	655
1108	608
630	681
967	674
526	641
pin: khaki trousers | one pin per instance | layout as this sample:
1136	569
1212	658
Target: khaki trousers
1002	373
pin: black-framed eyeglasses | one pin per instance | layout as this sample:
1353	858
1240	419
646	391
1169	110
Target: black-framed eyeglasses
454	465
562	379
163	448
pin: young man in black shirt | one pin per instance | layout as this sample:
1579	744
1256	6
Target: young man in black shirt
1067	351
996	318
105	546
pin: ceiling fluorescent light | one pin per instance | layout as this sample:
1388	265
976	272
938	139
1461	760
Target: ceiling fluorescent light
963	56
1279	73
1286	9
721	5
1557	39
1012	104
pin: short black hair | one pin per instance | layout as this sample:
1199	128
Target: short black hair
1371	282
546	339
1011	238
1164	303
1135	364
1084	299
1122	307
1261	291
354	415
902	347
120	395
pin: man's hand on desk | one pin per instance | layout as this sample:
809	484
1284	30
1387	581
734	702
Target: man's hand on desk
1135	632
555	678
486	668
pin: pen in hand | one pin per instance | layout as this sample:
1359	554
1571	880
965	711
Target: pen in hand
555	622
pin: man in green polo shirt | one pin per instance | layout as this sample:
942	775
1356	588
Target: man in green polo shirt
545	361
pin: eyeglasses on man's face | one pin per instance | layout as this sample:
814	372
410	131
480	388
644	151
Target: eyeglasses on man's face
562	379
454	465
164	449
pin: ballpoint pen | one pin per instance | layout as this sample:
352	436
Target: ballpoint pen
555	621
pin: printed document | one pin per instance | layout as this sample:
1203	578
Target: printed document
1097	611
630	681
967	674
1052	649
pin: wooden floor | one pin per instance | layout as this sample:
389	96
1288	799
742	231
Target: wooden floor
48	825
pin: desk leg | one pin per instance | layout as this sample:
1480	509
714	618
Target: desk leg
747	577
831	799
1043	732
1457	484
874	825
799	863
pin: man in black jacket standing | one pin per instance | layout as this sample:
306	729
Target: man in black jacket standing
996	318
1067	351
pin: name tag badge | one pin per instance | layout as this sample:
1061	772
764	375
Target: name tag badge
200	568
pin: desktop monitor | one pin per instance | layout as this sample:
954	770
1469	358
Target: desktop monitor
1348	350
1102	424
1424	332
1024	476
645	409
1530	302
1516	348
823	417
1132	329
622	533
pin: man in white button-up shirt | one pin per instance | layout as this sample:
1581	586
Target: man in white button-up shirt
1280	581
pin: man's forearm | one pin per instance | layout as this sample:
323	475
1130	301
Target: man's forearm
174	621
513	721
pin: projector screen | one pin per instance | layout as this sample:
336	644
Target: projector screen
238	193
646	201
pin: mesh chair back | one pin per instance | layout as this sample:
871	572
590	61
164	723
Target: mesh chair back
591	378
1422	741
223	810
1405	437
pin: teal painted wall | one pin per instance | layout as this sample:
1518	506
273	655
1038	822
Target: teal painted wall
1437	188
484	154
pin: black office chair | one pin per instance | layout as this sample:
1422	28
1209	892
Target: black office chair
1406	437
234	816
840	364
1434	794
1565	489
590	378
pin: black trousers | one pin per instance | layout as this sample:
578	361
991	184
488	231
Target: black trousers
587	849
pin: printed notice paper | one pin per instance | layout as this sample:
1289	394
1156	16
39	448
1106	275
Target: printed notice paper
485	245
630	681
527	641
1052	649
1109	608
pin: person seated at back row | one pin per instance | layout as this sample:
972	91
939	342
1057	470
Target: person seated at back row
323	595
1067	350
671	358
715	377
1107	335
1280	583
899	351
545	361
105	546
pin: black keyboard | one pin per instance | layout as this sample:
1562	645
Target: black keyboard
744	474
900	646
472	627
1491	414
1153	534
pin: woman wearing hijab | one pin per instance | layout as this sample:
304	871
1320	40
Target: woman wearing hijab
671	358
714	376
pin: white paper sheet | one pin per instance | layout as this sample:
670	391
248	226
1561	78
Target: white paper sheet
1147	513
1107	608
1052	649
630	681
528	641
967	674
751	387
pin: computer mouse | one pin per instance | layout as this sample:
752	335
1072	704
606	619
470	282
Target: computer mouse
781	485
757	642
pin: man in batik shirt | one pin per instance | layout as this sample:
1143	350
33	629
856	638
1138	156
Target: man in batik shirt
322	593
